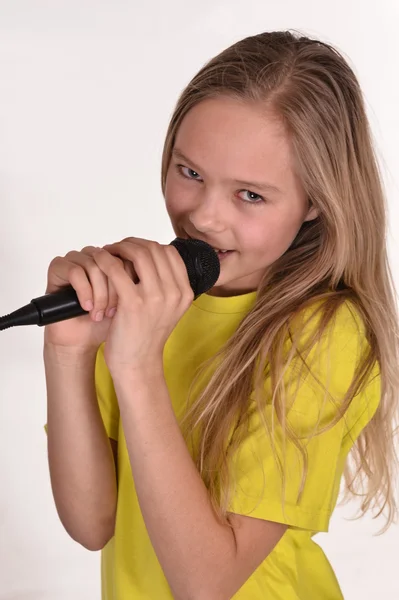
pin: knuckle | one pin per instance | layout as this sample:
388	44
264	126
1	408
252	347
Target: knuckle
54	262
125	243
182	298
75	270
189	296
88	249
158	298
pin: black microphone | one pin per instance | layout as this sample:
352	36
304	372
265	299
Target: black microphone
203	269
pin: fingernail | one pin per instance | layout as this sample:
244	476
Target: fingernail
111	312
88	305
99	315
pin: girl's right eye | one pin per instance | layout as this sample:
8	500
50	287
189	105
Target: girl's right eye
191	173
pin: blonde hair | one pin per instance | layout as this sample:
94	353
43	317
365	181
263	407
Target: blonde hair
338	257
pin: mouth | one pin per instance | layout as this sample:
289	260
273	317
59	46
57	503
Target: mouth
219	252
224	253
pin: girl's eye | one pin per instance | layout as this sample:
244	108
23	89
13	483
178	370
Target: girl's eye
191	174
255	198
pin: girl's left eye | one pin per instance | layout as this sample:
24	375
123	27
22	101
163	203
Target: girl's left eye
256	198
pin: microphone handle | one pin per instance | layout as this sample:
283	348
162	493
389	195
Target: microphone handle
47	309
58	306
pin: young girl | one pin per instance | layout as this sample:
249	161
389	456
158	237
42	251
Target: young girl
202	446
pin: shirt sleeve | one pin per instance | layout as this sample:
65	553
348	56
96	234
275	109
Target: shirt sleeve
106	396
259	483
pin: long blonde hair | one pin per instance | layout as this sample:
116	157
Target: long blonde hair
339	256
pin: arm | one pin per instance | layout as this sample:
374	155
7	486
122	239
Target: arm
201	558
81	461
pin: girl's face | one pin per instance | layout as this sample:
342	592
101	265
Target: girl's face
231	183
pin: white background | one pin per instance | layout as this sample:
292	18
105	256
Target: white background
86	92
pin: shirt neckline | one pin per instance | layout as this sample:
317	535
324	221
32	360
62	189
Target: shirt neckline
225	304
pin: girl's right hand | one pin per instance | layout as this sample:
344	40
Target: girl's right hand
78	269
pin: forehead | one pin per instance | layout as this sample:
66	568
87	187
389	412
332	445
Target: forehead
235	139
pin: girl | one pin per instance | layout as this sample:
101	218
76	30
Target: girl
201	444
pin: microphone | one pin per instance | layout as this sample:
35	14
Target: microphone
203	269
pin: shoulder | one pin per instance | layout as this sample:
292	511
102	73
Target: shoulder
327	343
335	363
322	325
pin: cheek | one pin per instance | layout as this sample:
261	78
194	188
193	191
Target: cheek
273	236
175	198
170	196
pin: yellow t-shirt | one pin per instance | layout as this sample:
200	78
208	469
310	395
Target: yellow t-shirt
297	568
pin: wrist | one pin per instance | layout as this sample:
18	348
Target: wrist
69	356
133	374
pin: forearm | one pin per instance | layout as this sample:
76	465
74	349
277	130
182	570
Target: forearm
193	548
81	463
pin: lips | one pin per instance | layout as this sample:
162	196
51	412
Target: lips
214	247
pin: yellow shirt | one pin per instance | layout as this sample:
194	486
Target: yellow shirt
297	568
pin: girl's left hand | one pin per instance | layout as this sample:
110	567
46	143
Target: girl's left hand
147	311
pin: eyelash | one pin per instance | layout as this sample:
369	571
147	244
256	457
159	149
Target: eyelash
180	172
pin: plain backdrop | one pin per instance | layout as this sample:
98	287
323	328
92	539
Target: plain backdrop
87	89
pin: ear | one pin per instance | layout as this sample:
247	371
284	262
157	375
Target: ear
312	214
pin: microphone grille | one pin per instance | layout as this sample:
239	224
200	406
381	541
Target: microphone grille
202	263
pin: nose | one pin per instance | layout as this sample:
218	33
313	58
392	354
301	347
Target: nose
209	213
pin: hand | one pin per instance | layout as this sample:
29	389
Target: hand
149	308
82	334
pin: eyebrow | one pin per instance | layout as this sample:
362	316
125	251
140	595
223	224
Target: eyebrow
264	186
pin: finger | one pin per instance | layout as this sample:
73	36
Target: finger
143	265
62	272
158	278
166	275
129	268
97	280
129	249
116	273
168	264
112	293
112	300
179	270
